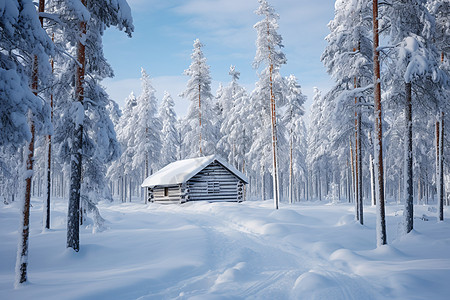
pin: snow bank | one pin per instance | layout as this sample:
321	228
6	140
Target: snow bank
229	251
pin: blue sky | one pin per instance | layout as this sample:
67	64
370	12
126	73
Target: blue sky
165	31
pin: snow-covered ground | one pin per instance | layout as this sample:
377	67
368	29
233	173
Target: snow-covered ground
229	251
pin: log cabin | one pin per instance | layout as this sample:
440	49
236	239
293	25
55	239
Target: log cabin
208	178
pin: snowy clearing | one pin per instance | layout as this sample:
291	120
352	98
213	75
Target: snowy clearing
229	251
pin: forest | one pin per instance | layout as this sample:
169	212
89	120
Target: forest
378	136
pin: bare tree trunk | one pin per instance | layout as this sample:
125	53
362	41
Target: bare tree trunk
263	185
378	153
49	162
130	189
22	251
290	171
419	189
354	184
121	190
276	192
409	204
359	172
73	215
441	169
200	120
372	175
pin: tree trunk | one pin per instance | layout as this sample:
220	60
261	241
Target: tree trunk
359	169
49	162
378	145
130	189
22	251
290	172
73	215
200	120
409	196
354	185
372	181
441	169
276	192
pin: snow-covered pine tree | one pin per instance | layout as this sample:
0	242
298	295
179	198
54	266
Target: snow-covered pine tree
235	130
169	132
348	59
267	92
147	131
440	10
114	113
84	131
293	121
23	63
414	66
122	168
198	129
317	144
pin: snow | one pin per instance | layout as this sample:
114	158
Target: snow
228	251
183	170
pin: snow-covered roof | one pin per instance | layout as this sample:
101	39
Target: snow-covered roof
183	170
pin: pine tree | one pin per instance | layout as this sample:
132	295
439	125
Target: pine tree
235	129
317	158
294	124
198	124
348	59
122	167
24	43
93	142
147	130
169	132
414	64
268	52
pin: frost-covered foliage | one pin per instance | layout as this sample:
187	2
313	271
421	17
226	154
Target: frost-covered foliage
100	145
268	41
348	59
21	39
270	83
114	112
348	54
413	57
126	136
169	132
318	142
199	132
235	130
147	130
296	132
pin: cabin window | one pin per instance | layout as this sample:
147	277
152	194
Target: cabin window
166	192
213	187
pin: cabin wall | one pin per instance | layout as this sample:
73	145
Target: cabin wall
174	194
214	183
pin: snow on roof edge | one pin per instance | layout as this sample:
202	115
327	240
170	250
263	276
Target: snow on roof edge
182	170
